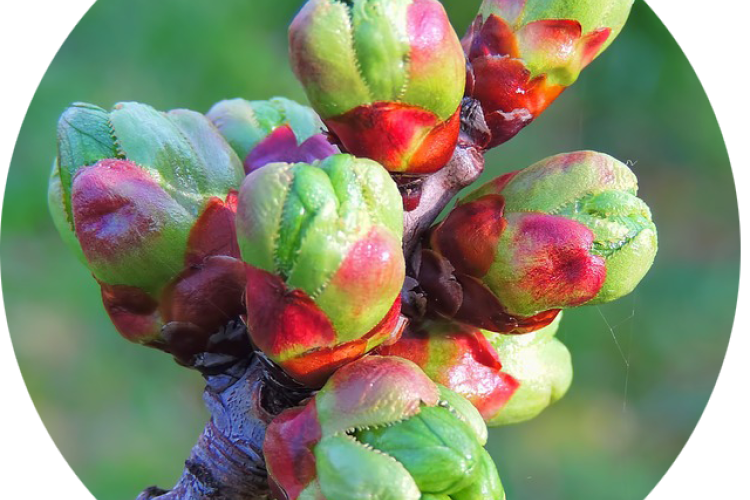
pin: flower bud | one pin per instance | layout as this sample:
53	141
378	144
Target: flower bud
523	54
541	365
148	200
507	378
379	429
460	358
562	233
322	244
386	76
276	130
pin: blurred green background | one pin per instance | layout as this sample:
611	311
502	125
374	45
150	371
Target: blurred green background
126	417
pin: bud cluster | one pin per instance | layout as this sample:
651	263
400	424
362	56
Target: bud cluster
289	220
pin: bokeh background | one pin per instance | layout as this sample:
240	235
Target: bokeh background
126	417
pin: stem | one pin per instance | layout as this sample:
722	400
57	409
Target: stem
438	190
243	395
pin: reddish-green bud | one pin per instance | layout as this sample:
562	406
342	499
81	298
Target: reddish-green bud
325	265
386	76
508	378
380	428
541	365
564	232
276	130
148	200
524	53
460	358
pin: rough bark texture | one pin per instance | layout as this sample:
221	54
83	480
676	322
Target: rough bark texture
245	391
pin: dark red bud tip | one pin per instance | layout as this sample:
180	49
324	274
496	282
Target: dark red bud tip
132	311
206	296
468	237
183	341
214	232
410	188
282	146
437	279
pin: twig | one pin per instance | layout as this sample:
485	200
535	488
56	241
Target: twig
242	395
438	190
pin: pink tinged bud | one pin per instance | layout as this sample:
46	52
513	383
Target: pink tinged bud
517	267
131	231
354	396
385	432
150	199
464	248
128	226
386	77
324	241
545	262
372	391
461	359
567	231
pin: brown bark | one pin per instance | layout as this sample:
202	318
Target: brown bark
243	393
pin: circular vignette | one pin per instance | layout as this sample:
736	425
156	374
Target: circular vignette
644	367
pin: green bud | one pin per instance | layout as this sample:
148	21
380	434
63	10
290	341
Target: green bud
331	233
386	76
542	366
564	232
380	429
347	470
487	486
440	451
145	199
